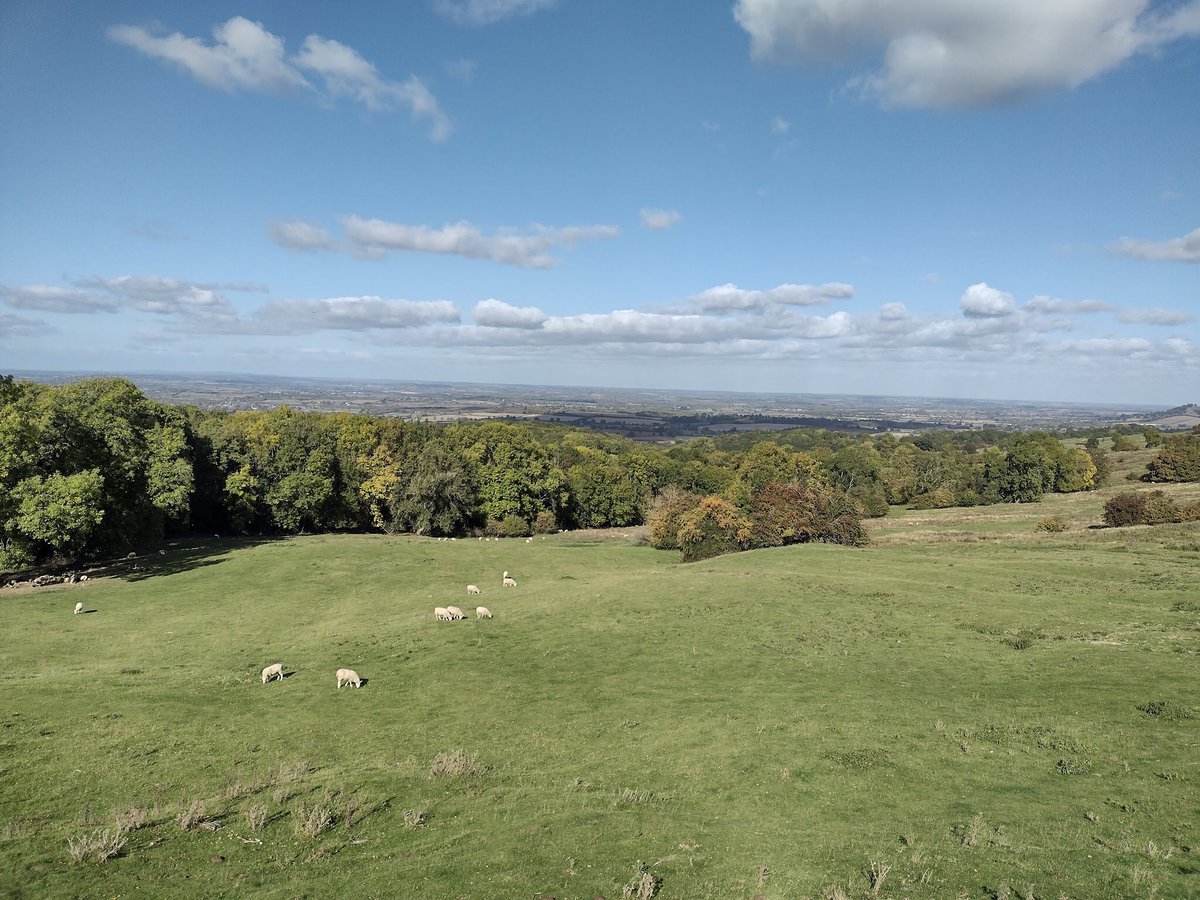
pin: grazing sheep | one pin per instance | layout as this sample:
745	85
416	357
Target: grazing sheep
482	612
441	614
505	575
83	578
348	676
455	612
78	608
473	589
508	582
275	670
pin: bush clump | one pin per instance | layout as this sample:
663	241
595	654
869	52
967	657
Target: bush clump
1145	508
1052	524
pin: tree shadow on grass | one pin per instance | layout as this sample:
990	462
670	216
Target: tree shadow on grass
179	555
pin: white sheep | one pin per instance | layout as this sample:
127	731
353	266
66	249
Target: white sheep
455	612
348	676
473	589
508	582
482	612
441	614
275	670
78	608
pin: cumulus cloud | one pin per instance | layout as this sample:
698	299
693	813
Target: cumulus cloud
302	236
658	219
729	297
374	237
1180	249
165	296
982	301
246	56
487	12
498	314
949	53
343	314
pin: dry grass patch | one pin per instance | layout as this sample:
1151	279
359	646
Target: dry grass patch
100	846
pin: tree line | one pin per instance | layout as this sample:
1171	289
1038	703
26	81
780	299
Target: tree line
94	467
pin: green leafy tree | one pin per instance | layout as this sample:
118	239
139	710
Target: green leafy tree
60	511
1178	460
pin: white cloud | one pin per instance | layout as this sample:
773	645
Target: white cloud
165	296
951	53
246	56
982	301
343	314
498	314
531	250
1155	317
729	297
487	12
302	236
347	74
1180	249
658	219
780	125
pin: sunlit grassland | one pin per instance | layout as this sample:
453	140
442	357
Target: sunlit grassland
966	706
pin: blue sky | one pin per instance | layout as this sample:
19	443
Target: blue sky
998	199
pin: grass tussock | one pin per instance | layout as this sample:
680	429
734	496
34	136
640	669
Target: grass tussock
456	764
131	819
100	846
192	816
643	885
313	818
1165	710
415	818
256	817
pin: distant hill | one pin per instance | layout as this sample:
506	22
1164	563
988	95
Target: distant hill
1179	418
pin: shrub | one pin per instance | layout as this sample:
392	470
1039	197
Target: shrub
798	513
1053	524
130	820
668	509
1179	460
938	498
1144	508
545	523
714	527
513	526
1123	442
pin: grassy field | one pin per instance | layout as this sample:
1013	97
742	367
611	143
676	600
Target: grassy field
965	708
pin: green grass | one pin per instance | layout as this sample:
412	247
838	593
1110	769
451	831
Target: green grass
967	707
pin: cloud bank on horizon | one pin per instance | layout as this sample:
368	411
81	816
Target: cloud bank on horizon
861	196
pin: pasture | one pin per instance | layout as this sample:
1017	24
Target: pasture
965	708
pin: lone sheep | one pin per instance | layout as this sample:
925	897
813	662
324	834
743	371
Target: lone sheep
473	589
441	614
508	582
482	612
78	608
275	670
348	676
455	612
